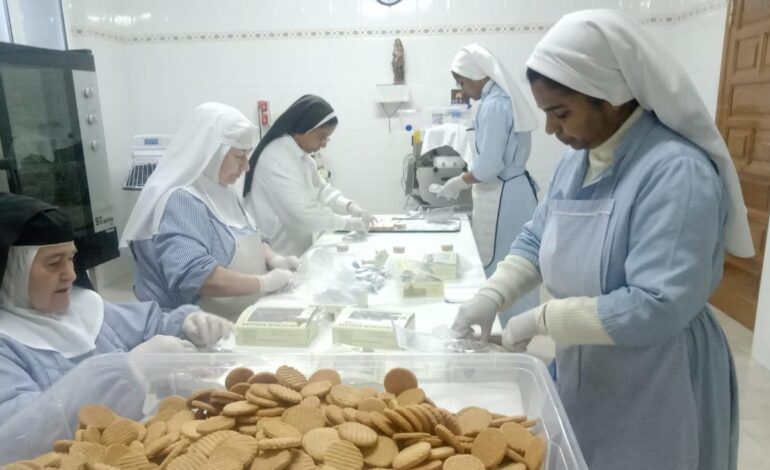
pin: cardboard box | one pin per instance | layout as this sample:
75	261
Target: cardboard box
276	326
444	265
370	328
418	281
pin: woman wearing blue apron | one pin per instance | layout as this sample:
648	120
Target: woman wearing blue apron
190	235
504	195
630	242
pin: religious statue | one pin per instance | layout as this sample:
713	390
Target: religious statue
397	64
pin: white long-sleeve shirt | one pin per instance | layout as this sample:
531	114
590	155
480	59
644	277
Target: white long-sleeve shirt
289	199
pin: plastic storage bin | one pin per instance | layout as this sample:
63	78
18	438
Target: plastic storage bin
132	386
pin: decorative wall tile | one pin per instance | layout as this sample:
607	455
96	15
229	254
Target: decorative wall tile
377	20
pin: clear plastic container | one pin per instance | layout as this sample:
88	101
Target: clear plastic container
133	385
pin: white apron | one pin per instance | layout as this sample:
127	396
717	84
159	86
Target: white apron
486	205
249	258
500	210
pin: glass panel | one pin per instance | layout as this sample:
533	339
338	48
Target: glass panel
5	32
45	141
37	23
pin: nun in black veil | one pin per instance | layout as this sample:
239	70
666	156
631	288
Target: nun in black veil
48	324
283	190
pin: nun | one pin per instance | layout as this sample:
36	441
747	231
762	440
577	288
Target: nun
630	242
48	325
504	194
283	190
189	233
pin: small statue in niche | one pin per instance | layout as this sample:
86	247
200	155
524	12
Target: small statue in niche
397	64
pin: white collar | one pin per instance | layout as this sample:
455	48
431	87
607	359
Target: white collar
71	333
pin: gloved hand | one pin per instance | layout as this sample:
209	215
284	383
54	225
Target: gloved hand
357	211
164	344
283	262
274	280
205	329
523	327
452	188
357	224
481	311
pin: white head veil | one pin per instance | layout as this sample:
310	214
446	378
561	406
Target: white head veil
608	55
475	62
192	162
72	332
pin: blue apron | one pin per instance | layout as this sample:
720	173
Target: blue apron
632	407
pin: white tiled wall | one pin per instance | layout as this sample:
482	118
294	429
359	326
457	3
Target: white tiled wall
151	76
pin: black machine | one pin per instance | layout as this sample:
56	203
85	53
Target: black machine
52	142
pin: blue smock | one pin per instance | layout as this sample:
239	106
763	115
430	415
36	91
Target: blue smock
646	238
172	267
25	372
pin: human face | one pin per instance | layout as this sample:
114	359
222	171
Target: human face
235	163
577	119
51	277
314	140
471	88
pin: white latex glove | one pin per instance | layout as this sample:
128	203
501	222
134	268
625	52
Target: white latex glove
481	311
283	262
205	329
357	211
164	344
523	327
274	280
357	224
452	188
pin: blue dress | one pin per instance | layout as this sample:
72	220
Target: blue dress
25	372
647	239
506	197
172	267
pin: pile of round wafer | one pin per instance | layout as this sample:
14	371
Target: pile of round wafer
285	420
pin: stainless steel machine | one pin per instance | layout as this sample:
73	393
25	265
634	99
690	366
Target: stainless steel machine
436	166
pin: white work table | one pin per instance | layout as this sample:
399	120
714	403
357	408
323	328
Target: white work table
429	311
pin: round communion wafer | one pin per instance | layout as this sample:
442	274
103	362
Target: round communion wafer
382	453
304	418
535	453
98	416
489	447
290	377
412	396
216	423
463	462
277	428
412	456
317	441
263	378
345	396
357	433
326	374
318	388
398	380
271	460
473	419
284	393
344	455
237	375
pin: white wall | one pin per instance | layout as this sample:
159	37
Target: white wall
158	59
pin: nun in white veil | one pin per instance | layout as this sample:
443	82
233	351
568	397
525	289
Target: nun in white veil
504	193
191	237
630	242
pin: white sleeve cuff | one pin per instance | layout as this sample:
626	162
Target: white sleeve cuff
513	277
575	320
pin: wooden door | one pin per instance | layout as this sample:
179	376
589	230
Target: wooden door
743	117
